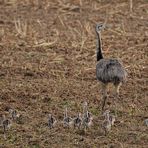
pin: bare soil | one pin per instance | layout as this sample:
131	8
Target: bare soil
48	60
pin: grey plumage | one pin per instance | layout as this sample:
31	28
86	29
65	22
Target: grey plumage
146	122
67	121
14	114
5	123
87	119
111	117
107	123
51	121
77	121
108	70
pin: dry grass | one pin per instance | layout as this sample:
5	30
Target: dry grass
47	60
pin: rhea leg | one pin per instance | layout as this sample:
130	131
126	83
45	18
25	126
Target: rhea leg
104	101
104	92
117	87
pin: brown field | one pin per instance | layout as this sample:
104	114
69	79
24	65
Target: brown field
47	61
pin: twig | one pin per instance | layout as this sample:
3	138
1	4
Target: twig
21	28
131	6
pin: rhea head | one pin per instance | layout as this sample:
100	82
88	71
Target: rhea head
99	27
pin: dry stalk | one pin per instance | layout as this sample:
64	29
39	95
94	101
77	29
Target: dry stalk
143	5
88	29
78	32
106	18
100	7
131	6
2	32
11	2
63	24
57	59
39	22
47	43
21	28
115	32
80	2
83	40
72	32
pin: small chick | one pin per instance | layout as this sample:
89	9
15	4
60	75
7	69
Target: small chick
87	116
146	122
51	121
87	120
85	110
67	121
107	124
77	121
5	123
14	114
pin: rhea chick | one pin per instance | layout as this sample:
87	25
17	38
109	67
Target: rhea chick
87	121
5	123
107	123
86	113
146	122
67	121
51	121
14	114
77	121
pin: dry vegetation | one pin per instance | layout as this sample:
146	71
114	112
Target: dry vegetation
47	60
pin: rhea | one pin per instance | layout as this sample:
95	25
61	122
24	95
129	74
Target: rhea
87	119
77	121
67	121
5	123
146	122
108	70
107	123
14	114
86	113
51	121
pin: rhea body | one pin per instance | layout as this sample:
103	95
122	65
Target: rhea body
108	70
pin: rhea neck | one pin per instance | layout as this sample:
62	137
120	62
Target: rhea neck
99	47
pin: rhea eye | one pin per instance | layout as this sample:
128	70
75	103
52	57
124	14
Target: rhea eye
101	25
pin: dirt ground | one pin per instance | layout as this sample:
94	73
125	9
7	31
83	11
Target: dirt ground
48	60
